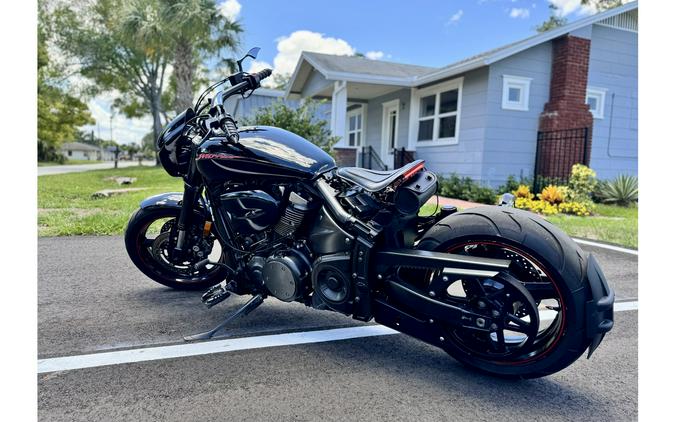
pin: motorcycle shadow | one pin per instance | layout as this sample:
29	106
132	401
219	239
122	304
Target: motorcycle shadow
393	358
405	369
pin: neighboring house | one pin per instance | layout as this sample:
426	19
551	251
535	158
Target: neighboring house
571	90
80	151
108	153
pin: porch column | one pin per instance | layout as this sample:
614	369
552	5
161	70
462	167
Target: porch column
338	116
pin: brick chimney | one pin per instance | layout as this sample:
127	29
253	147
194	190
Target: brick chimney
566	108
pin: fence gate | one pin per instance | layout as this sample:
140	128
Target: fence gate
557	152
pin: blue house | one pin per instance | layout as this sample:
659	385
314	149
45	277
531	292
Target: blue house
564	96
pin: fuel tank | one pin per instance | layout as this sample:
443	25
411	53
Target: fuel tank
262	151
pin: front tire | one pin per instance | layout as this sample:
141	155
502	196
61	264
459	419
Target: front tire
139	248
522	236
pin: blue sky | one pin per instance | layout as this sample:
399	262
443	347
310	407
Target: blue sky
427	32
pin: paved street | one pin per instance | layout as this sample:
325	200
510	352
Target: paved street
92	299
76	168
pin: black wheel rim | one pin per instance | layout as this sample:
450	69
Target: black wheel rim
148	240
523	333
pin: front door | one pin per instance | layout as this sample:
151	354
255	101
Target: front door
390	116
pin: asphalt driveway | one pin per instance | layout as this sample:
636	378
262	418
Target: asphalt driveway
92	299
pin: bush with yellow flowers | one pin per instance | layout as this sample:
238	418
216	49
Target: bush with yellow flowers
523	192
536	205
552	195
577	208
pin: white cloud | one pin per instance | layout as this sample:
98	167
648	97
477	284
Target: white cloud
456	17
566	7
290	47
125	131
230	9
257	66
521	13
375	55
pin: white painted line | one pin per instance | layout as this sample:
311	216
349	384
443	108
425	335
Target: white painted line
67	363
208	347
605	246
625	306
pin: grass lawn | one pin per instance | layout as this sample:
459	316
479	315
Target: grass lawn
611	224
66	208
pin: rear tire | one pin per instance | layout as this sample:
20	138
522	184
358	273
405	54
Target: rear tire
547	246
134	237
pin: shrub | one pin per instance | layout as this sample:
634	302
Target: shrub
536	205
466	189
576	208
300	120
623	190
551	194
582	183
512	184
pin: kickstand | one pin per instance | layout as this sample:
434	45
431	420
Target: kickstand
243	311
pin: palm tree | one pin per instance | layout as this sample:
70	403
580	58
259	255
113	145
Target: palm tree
197	31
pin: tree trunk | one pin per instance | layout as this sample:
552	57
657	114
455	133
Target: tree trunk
183	71
155	109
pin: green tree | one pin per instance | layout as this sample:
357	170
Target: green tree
198	31
602	5
553	21
59	112
300	121
121	47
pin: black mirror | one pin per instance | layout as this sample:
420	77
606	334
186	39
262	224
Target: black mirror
252	53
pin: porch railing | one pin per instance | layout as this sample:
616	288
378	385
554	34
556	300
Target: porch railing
402	157
371	160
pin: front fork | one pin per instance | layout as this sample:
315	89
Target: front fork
190	196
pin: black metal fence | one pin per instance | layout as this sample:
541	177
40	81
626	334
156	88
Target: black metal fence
402	157
370	159
557	152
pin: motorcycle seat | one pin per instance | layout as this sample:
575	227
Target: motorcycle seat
376	180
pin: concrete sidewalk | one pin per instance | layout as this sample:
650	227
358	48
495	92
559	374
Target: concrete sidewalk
76	168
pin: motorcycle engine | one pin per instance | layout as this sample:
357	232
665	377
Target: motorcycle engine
286	274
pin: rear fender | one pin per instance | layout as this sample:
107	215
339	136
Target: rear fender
600	309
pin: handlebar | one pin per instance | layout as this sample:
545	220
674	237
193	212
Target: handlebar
218	116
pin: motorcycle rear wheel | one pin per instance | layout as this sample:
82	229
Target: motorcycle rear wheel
539	251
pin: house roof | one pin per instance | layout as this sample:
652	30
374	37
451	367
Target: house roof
359	69
79	146
364	66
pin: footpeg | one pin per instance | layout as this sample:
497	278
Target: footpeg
215	295
249	306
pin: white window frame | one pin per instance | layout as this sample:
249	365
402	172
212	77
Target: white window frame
344	142
599	94
393	105
416	96
519	82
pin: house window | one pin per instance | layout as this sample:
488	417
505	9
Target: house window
516	93
438	113
70	153
595	98
355	127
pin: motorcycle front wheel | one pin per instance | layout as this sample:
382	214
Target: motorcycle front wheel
545	261
147	242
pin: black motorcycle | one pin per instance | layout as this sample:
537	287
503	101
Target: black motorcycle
265	212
